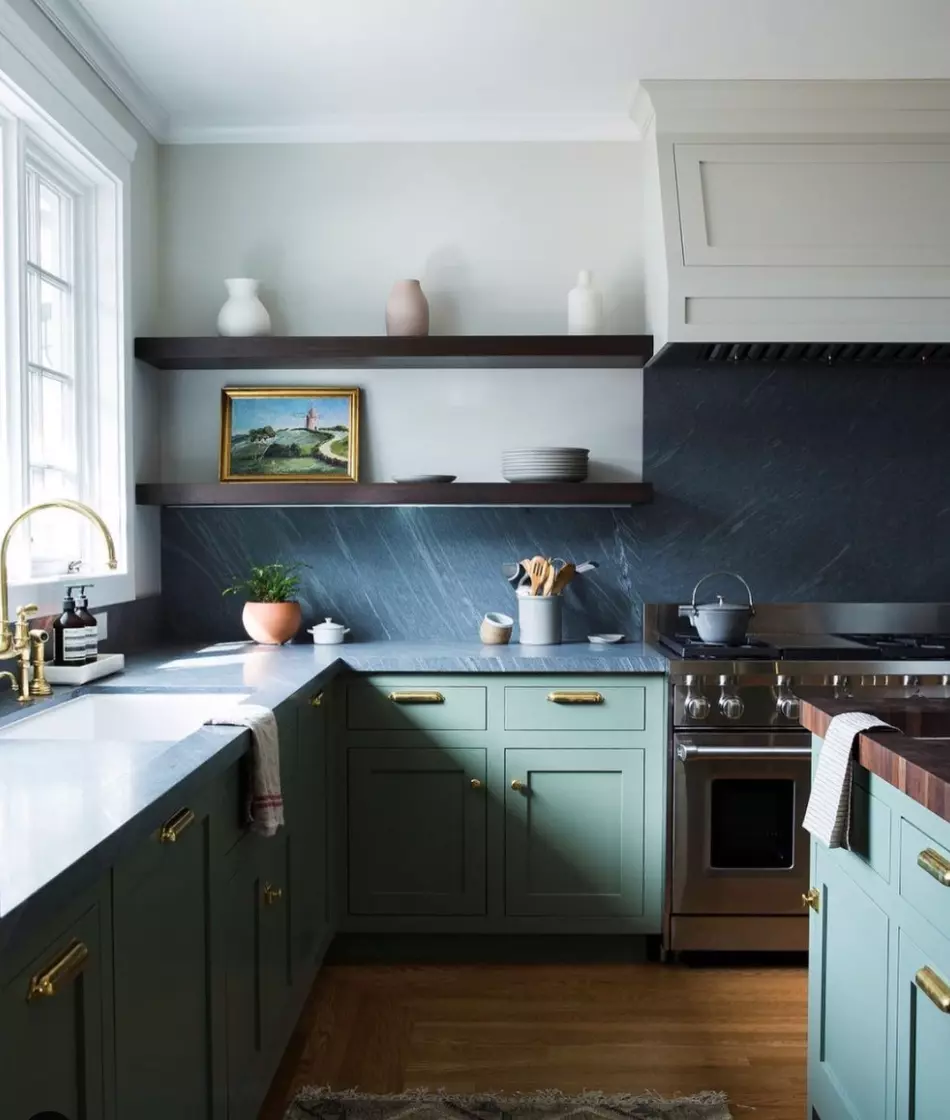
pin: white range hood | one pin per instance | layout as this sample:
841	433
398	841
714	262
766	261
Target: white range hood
808	213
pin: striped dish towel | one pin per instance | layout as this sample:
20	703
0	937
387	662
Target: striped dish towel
265	804
828	816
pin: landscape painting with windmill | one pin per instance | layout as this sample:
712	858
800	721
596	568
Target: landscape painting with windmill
290	435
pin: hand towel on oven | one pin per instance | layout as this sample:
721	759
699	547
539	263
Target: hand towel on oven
828	816
265	804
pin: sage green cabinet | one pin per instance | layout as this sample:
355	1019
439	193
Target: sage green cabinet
51	1028
847	997
574	831
416	820
923	1031
167	1062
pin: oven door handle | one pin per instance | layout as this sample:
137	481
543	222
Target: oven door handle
686	751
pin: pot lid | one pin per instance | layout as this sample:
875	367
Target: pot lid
328	624
722	607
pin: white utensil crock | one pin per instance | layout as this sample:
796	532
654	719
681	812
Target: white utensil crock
539	619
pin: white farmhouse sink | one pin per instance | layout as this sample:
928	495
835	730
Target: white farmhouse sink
144	717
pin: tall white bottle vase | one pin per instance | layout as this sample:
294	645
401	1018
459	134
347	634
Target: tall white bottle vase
243	314
585	308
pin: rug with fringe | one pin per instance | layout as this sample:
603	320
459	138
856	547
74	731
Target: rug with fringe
323	1104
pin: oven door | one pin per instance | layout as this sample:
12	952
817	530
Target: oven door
738	803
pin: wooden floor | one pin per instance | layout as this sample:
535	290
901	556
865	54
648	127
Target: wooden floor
615	1027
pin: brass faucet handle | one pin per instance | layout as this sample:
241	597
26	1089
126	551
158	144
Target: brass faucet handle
23	613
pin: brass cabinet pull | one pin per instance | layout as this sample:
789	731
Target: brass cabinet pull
417	697
812	899
66	967
934	988
316	700
475	783
519	786
935	864
272	894
175	826
575	698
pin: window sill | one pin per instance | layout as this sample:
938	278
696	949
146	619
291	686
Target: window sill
105	589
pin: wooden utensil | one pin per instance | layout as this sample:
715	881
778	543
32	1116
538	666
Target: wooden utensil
537	572
563	578
548	585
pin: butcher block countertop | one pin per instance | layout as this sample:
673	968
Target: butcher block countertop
915	758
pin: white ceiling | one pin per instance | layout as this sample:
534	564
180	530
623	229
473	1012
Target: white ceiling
469	69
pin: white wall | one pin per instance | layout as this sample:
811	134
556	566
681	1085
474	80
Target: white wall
144	543
496	233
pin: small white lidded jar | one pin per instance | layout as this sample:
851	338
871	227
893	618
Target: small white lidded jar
328	633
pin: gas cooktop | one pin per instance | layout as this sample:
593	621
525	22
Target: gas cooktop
769	647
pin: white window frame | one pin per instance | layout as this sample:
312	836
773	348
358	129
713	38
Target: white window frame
48	115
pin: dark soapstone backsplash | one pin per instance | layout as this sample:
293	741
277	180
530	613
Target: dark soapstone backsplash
816	483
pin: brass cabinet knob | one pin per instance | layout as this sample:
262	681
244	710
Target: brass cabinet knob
519	786
936	865
475	783
272	894
934	987
812	898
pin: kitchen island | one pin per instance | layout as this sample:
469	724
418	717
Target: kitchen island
879	949
145	931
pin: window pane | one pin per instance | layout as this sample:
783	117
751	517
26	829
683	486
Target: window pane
52	219
48	320
53	534
52	422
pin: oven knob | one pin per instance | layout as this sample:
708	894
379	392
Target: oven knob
697	707
731	707
912	682
786	703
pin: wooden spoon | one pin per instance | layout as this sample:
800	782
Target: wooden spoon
537	572
563	578
548	585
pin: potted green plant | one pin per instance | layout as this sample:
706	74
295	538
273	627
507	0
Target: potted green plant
271	614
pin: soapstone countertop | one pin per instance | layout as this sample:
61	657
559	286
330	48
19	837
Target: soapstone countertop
67	809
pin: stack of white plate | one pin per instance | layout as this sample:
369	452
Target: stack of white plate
545	464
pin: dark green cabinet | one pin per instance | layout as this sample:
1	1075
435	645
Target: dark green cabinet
574	832
258	966
307	821
51	1028
416	828
163	940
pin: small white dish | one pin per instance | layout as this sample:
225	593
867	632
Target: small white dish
328	633
604	639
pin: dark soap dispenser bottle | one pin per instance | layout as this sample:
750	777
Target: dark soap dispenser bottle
89	620
69	635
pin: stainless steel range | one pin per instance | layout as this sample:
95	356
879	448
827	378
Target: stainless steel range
740	763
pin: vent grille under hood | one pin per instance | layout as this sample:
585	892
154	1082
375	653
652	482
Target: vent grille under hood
820	353
814	212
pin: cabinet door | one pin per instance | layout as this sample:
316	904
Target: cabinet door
416	831
847	997
162	934
51	1029
923	1031
258	967
574	832
307	819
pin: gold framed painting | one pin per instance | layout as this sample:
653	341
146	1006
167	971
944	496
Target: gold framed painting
290	435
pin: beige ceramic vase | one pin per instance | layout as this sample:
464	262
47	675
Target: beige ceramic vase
407	310
271	624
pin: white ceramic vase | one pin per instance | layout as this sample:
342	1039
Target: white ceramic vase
407	310
585	308
243	313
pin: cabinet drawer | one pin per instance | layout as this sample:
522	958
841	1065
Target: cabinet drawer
414	705
581	708
929	895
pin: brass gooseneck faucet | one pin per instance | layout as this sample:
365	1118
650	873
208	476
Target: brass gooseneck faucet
18	640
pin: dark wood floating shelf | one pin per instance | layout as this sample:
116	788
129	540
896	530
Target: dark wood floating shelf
542	351
393	494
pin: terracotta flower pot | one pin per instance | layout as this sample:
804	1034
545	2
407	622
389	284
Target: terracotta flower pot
271	624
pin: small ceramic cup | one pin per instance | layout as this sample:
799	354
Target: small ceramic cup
495	629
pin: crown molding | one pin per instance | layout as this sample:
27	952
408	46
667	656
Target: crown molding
94	47
394	128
